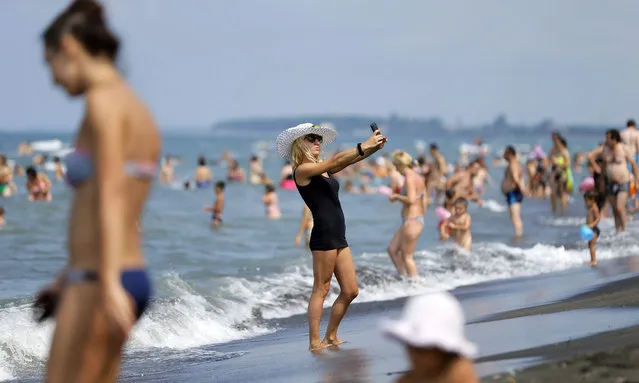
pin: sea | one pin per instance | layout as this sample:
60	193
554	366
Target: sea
247	278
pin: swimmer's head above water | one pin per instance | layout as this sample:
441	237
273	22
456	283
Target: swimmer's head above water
31	173
78	43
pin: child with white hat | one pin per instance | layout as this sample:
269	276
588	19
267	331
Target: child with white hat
432	329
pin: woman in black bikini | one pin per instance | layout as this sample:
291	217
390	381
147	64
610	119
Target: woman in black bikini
319	189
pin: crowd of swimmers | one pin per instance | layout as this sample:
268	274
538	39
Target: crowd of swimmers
104	287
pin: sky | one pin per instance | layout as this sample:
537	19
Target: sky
196	62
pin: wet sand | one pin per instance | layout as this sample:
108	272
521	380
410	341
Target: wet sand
608	356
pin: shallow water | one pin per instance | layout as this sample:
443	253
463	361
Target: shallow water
247	278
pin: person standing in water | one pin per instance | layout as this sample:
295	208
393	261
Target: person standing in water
306	226
618	178
38	185
271	202
592	220
217	208
630	137
318	188
560	173
104	288
6	178
402	246
459	224
203	174
438	172
514	188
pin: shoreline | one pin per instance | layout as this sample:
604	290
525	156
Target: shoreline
527	324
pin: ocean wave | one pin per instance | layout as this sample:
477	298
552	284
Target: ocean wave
244	307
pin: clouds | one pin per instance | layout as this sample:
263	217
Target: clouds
199	61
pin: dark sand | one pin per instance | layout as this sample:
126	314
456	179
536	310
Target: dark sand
609	356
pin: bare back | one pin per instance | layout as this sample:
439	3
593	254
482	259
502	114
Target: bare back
630	138
140	143
415	209
512	173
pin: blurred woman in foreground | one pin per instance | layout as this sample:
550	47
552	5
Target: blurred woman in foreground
104	288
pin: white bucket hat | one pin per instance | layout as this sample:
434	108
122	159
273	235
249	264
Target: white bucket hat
432	320
284	141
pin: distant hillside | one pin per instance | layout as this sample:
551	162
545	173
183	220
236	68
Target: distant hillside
358	125
354	125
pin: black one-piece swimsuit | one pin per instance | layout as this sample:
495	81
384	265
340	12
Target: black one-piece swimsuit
329	228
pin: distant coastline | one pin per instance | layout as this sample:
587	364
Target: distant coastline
354	125
358	124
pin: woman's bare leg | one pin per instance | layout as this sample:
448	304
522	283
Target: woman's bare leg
410	235
82	349
323	267
394	250
73	326
345	274
620	211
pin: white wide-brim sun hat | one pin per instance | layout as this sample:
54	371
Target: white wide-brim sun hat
284	141
433	320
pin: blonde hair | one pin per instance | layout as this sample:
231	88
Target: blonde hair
402	158
299	151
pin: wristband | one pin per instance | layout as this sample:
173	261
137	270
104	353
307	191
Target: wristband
359	150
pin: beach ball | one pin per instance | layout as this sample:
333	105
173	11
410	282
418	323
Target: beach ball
586	233
587	184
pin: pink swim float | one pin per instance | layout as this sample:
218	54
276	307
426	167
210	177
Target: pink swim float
287	184
587	184
442	213
385	190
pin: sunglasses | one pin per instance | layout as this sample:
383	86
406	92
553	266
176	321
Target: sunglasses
313	137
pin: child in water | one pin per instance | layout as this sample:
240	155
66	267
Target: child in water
271	203
592	220
217	208
459	223
449	200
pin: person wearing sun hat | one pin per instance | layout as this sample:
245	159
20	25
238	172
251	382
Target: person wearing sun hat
432	329
302	145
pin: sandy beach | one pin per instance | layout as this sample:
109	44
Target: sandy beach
607	356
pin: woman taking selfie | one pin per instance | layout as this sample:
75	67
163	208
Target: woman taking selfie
318	188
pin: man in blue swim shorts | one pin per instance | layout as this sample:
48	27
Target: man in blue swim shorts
513	188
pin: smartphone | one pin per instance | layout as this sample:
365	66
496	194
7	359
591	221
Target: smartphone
374	127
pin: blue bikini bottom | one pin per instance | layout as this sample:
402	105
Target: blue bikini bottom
135	281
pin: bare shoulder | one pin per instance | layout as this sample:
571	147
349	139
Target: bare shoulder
103	104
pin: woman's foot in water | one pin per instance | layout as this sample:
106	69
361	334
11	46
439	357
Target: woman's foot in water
317	346
333	341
